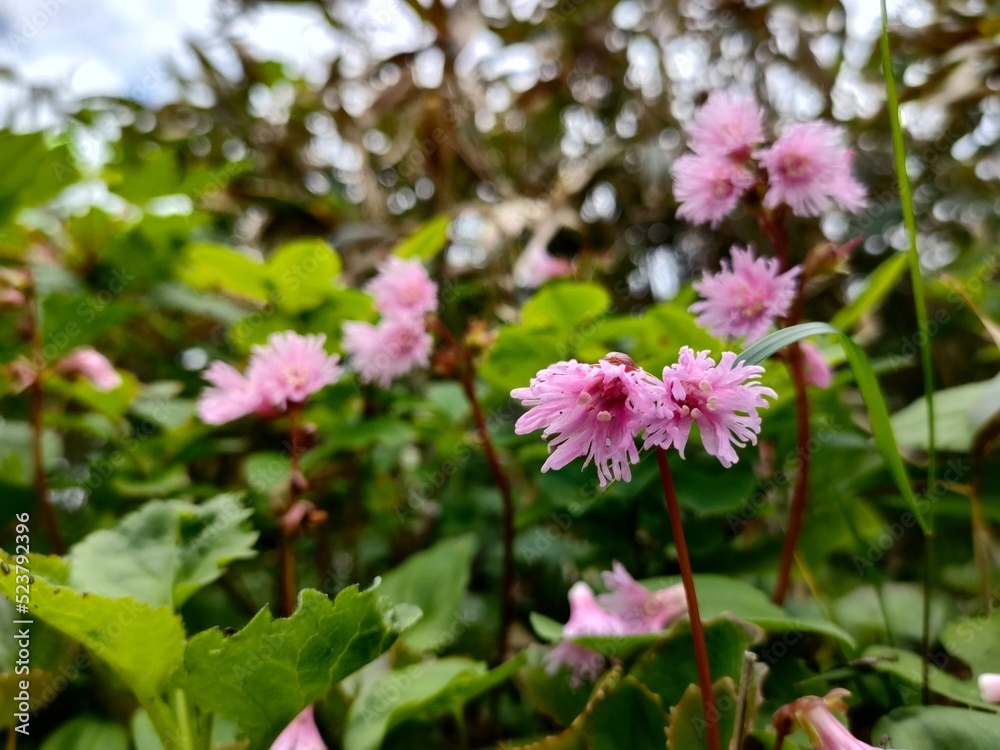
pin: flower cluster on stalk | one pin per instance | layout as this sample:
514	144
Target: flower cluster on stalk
404	295
806	168
597	411
282	373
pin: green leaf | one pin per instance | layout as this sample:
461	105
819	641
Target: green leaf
211	267
165	551
565	305
264	675
958	412
939	728
302	274
87	733
142	645
878	413
687	717
630	716
877	287
906	667
519	353
435	580
426	242
32	172
422	691
976	641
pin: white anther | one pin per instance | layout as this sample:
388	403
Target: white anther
603	416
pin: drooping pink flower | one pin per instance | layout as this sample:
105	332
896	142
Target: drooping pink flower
289	368
402	289
586	617
708	187
817	371
809	170
721	399
300	734
727	124
642	610
989	687
814	715
536	265
89	363
744	300
381	353
588	411
232	395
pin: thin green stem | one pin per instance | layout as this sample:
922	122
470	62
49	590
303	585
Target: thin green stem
923	330
694	615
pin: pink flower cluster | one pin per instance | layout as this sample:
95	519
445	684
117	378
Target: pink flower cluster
283	372
399	343
627	608
807	168
744	300
85	362
597	411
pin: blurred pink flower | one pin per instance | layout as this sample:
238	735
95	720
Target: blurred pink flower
586	617
744	300
720	399
589	411
818	373
11	298
809	170
727	124
301	734
641	610
708	187
814	716
289	368
382	353
402	288
989	687
536	265
231	396
90	364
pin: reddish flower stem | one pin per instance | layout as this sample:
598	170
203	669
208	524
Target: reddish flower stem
687	577
506	495
286	550
773	227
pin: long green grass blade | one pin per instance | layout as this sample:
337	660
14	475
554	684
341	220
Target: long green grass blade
878	413
910	221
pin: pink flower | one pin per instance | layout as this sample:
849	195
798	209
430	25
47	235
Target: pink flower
231	396
814	716
12	298
290	368
92	365
809	170
818	373
745	300
403	289
718	398
301	734
586	617
589	411
727	124
708	187
382	353
989	687
642	610
536	265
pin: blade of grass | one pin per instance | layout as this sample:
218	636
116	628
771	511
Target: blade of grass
878	413
880	283
920	302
